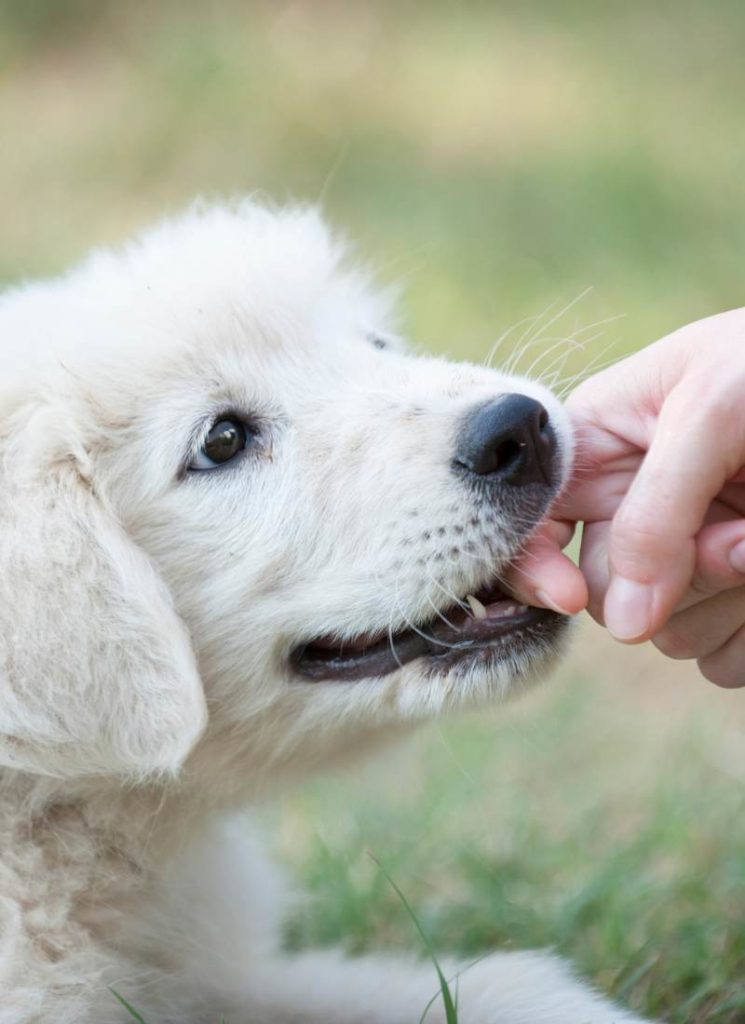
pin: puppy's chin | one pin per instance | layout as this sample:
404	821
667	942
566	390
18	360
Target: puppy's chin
526	651
485	676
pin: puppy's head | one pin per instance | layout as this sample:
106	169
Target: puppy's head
224	476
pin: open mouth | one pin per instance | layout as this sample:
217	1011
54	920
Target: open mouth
487	621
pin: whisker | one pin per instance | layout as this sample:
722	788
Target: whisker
566	345
541	329
430	639
391	644
446	590
598	363
491	354
438	613
524	341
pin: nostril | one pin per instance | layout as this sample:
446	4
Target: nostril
506	454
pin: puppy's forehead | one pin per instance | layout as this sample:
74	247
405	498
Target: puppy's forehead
250	271
226	303
215	280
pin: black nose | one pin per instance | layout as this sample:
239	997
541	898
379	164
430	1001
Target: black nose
509	440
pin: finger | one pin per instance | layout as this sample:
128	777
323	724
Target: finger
701	630
543	576
733	495
652	545
593	563
595	493
720	562
726	667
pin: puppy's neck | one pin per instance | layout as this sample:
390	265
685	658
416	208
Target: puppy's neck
96	818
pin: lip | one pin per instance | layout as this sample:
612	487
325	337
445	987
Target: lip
458	634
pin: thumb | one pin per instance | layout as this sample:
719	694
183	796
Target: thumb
696	446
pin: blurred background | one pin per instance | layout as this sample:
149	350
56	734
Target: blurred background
568	173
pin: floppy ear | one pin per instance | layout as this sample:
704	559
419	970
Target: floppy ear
97	674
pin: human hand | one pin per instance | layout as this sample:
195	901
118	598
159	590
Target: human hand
660	488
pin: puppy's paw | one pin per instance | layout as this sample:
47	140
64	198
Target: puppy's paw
517	988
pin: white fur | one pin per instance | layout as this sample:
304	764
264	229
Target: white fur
147	614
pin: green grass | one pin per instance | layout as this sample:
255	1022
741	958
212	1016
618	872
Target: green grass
449	1001
133	1013
448	995
498	159
600	816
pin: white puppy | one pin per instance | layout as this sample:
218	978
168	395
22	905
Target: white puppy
243	534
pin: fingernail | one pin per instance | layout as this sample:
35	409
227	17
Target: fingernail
549	602
737	557
628	608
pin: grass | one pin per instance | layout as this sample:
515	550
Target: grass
449	1001
498	159
134	1014
601	815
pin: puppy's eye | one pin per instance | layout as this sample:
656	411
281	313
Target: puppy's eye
225	440
377	341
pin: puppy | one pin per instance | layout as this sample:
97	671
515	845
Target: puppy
243	535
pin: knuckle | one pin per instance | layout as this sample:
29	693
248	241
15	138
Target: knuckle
726	671
724	400
637	528
674	643
595	607
595	603
702	587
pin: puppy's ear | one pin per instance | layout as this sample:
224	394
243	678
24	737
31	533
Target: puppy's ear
97	673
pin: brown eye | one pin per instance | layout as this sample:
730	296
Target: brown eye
226	439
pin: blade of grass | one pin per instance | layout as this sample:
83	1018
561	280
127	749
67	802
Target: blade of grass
128	1007
451	1012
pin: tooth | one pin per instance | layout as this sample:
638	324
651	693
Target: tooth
477	609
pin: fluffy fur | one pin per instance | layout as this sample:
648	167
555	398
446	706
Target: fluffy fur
148	612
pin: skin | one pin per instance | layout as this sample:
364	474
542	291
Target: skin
660	488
